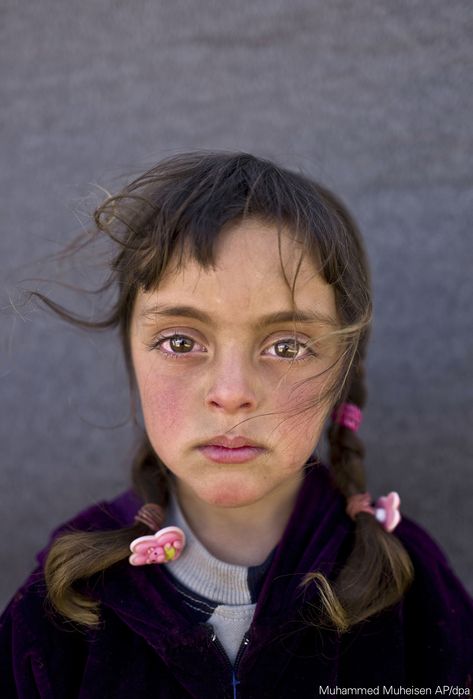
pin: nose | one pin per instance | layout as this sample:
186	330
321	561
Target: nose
233	383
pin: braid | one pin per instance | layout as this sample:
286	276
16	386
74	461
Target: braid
378	570
151	479
346	448
80	555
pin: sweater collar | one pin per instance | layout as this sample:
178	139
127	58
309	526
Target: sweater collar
200	571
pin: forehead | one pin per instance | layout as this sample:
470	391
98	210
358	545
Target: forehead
247	277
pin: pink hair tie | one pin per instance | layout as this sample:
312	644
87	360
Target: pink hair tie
162	547
150	514
349	415
386	509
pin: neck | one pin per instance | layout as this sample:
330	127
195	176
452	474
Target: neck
243	535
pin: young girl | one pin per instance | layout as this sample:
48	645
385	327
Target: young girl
237	564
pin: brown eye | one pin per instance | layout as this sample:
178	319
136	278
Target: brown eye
173	346
288	348
180	343
291	348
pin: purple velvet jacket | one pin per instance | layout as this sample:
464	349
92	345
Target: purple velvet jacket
146	647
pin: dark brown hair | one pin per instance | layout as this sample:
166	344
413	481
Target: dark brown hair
177	210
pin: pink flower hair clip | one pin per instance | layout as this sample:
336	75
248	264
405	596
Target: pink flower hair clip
162	547
386	509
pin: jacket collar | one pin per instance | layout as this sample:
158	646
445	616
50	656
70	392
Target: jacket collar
315	536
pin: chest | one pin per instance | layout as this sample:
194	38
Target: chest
277	664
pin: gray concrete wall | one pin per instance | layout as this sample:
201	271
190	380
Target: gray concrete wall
372	97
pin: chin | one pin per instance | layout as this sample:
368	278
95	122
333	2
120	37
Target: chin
229	495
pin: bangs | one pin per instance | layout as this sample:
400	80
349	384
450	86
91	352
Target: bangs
178	210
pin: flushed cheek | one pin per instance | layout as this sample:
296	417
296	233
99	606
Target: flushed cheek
165	406
299	423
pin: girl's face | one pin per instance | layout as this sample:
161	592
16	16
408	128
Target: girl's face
218	367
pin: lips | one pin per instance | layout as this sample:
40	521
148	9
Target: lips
231	450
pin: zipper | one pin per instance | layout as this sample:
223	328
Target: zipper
232	668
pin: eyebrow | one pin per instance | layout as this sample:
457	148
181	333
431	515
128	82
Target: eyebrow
185	311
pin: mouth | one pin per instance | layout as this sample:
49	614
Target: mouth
236	442
231	450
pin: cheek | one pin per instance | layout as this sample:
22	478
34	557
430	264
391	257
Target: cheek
165	403
301	418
